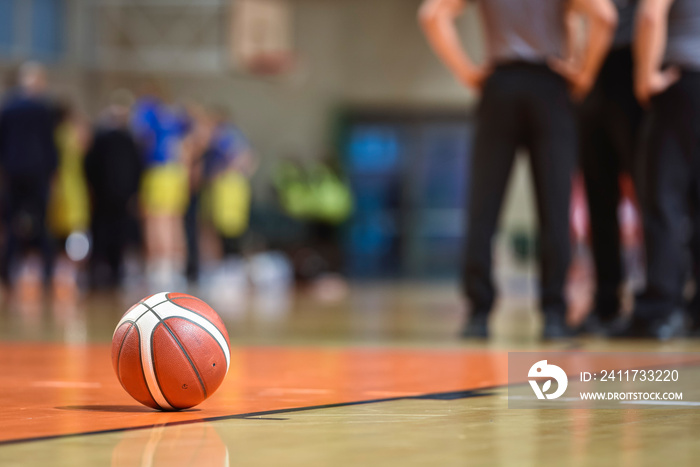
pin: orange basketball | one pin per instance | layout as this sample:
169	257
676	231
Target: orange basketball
170	351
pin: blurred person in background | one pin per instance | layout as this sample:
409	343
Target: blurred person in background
229	166
69	210
609	123
667	80
113	168
69	203
28	161
525	85
317	195
160	130
195	147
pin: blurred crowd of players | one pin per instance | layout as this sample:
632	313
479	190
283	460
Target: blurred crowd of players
143	176
610	86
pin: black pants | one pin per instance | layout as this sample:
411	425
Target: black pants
192	237
26	200
670	194
522	105
693	302
110	235
609	122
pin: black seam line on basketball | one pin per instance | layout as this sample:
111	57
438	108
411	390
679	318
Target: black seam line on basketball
188	309
155	373
187	355
144	300
479	392
148	308
141	315
121	345
143	370
189	359
205	330
167	296
207	320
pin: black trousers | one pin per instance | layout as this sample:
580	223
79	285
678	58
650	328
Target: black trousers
523	105
609	123
25	205
192	237
670	195
110	235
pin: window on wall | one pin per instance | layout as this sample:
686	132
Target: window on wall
7	26
32	29
47	26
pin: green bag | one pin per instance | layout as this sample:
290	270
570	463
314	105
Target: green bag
317	194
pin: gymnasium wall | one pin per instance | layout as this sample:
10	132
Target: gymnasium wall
360	53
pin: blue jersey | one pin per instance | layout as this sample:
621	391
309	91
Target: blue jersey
226	145
159	130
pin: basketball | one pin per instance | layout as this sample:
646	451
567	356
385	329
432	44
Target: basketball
170	351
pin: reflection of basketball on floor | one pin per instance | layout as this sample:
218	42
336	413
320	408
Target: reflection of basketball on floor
196	444
170	351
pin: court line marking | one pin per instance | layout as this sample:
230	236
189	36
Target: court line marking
559	399
671	403
449	395
578	399
67	384
283	391
464	394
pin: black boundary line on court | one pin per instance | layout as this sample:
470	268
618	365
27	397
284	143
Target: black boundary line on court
450	395
444	396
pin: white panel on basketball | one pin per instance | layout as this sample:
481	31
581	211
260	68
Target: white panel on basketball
146	324
167	310
132	316
141	308
155	299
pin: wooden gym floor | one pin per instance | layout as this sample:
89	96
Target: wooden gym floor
375	378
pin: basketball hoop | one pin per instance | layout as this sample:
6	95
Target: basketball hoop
271	64
262	37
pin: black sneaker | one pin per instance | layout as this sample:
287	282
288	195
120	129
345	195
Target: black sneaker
555	327
606	326
694	330
673	326
477	327
667	327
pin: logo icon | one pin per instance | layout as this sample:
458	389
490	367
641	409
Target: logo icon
543	370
